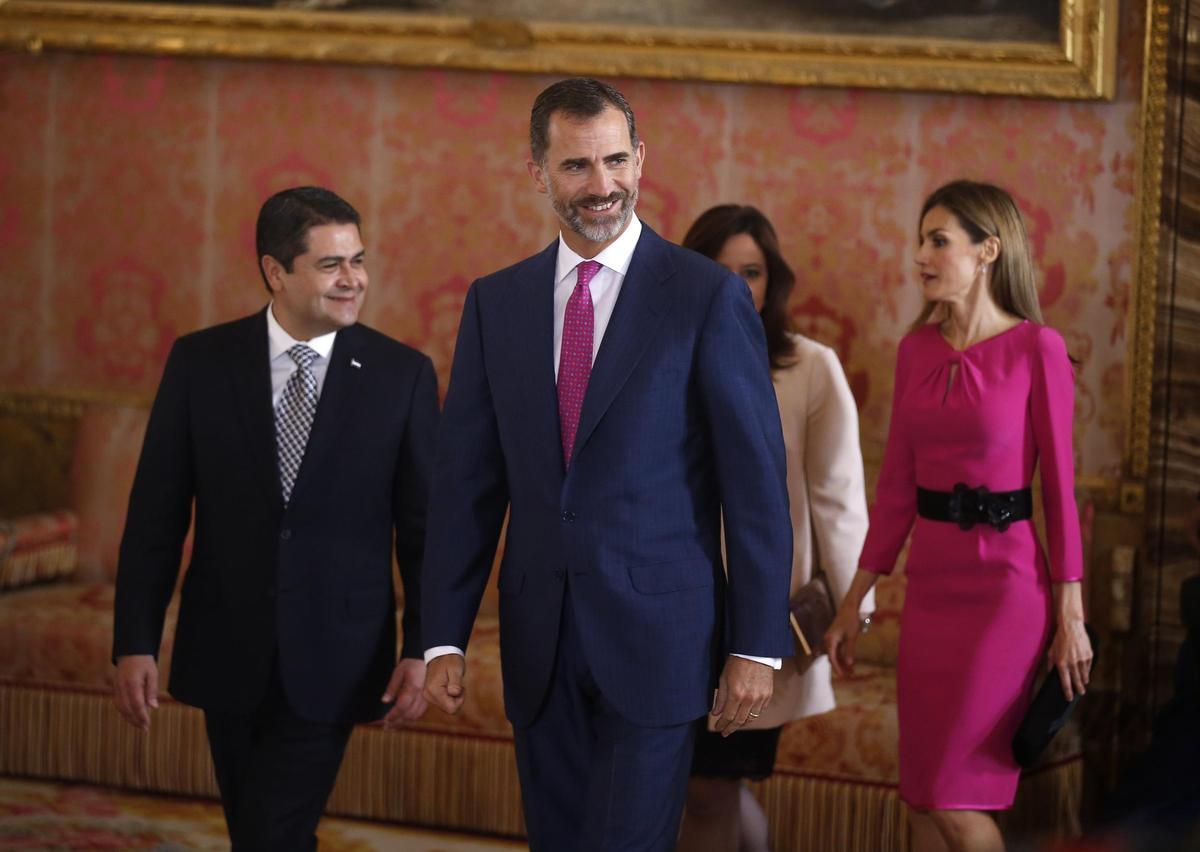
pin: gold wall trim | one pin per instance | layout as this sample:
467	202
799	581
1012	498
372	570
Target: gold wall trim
1143	299
1081	65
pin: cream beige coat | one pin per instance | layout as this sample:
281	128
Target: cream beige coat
829	505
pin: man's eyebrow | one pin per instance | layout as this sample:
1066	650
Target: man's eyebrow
338	258
583	161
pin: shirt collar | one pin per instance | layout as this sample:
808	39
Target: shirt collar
279	341
616	256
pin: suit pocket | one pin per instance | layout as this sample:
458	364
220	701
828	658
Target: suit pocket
658	578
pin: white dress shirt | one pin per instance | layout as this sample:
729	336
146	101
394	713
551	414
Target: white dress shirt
605	287
282	365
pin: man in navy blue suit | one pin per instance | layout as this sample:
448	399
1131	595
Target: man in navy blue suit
612	395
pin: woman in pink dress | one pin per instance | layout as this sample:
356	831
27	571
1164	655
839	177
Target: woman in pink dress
983	393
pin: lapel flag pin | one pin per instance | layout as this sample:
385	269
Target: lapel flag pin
354	363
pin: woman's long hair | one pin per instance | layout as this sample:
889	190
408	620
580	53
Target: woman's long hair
986	211
708	236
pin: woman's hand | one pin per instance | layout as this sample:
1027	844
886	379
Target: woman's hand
842	635
840	640
1071	654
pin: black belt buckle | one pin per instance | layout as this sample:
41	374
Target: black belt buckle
970	506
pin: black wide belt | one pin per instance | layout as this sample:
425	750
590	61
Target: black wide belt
970	506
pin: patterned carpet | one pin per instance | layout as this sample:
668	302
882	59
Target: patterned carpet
47	816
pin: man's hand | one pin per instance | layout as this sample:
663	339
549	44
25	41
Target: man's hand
405	689
444	682
137	688
742	692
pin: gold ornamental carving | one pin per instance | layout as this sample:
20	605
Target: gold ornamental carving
1080	65
1141	320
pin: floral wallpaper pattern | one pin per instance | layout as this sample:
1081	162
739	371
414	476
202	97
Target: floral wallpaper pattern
129	188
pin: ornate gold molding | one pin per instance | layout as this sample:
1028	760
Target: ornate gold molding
1141	321
1080	65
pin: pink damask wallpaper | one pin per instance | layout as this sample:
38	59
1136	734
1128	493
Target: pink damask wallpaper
129	188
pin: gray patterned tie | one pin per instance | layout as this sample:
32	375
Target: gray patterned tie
294	416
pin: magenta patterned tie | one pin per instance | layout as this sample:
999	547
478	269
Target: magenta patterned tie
575	357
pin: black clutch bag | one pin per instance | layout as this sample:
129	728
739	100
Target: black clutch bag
1047	714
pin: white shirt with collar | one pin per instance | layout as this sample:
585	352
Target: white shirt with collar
605	287
282	365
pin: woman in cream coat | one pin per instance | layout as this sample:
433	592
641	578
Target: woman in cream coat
829	522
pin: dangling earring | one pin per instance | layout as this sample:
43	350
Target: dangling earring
983	270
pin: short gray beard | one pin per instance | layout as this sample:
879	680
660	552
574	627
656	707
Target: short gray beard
606	229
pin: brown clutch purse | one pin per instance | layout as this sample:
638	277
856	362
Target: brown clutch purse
812	613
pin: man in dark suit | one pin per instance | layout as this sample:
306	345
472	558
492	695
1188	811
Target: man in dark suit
303	440
612	394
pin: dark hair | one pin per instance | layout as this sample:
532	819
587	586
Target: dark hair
577	97
287	216
986	211
708	236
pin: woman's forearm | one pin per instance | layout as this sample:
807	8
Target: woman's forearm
861	584
1068	602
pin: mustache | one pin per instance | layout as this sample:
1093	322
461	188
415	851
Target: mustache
594	200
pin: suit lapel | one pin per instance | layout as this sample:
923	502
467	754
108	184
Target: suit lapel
535	354
640	306
250	370
342	380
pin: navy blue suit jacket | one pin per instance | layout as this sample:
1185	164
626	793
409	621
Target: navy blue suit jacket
309	582
679	423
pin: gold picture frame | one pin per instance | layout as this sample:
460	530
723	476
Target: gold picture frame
1081	64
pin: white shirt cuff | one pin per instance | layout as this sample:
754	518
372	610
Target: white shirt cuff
441	651
774	662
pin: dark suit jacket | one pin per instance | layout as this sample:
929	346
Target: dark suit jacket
311	582
679	422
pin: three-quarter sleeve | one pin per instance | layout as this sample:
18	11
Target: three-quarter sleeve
895	506
1052	410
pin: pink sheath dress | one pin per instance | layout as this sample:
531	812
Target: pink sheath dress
978	606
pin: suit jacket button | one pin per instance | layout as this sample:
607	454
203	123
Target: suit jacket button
568	516
285	534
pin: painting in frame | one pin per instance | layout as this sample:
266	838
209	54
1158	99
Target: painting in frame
1015	47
